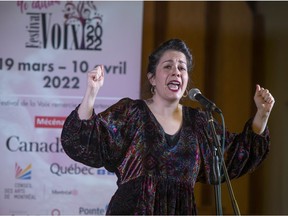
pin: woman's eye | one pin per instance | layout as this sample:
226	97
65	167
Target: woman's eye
167	66
182	69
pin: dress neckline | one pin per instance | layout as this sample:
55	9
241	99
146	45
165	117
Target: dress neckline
158	123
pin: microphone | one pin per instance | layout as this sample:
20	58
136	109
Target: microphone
195	95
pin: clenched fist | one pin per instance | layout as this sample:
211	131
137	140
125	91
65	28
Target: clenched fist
96	77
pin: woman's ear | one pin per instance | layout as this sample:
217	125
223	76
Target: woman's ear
150	77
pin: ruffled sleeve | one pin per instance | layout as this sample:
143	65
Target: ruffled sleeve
101	140
243	152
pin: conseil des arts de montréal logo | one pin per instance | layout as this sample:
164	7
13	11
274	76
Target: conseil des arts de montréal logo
23	174
80	29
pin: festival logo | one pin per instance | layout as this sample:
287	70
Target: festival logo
81	28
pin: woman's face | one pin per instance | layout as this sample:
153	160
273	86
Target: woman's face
171	76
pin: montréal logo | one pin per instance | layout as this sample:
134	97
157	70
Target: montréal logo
23	174
80	29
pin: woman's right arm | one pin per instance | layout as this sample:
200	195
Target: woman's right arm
78	130
95	80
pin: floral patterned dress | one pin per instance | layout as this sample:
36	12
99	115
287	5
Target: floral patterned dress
157	173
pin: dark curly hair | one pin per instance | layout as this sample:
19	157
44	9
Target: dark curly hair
172	44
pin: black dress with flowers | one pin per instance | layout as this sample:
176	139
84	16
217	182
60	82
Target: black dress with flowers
156	173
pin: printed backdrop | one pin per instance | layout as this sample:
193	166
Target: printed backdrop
46	49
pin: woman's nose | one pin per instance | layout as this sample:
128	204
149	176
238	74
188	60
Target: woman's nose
176	72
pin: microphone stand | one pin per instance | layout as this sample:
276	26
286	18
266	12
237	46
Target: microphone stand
217	154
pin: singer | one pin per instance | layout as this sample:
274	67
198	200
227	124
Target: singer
157	147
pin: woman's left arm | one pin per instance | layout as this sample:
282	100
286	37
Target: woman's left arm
264	102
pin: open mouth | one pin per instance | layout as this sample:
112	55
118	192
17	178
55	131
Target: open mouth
174	85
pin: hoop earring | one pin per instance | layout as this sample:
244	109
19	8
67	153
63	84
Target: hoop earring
185	93
152	90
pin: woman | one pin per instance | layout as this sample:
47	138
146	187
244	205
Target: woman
157	147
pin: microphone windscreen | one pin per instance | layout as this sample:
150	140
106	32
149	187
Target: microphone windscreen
193	92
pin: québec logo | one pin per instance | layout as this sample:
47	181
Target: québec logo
23	174
80	29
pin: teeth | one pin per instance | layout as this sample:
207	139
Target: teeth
173	86
174	83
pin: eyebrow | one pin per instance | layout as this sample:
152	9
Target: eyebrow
182	62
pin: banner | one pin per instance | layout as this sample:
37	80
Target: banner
46	50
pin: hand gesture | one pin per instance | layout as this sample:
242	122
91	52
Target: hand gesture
264	100
96	78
